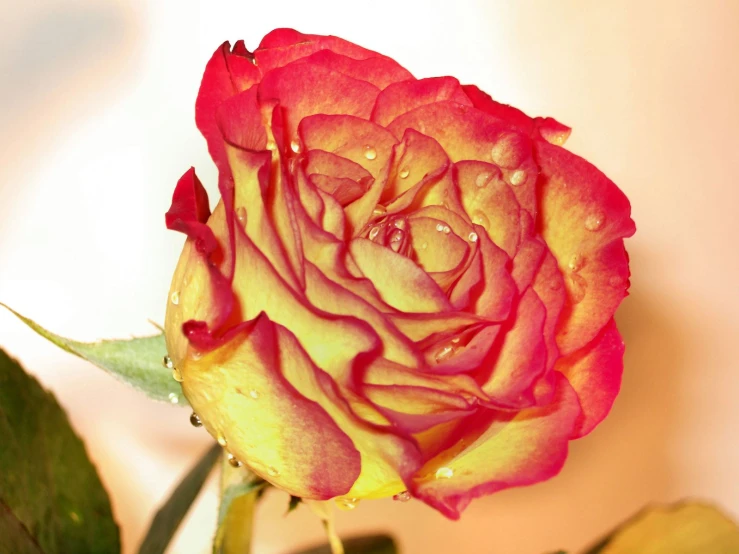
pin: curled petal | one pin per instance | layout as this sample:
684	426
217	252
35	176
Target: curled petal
595	374
243	397
584	219
403	97
497	450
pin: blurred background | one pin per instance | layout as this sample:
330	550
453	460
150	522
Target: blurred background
97	124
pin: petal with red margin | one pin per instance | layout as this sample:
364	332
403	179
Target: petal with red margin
387	457
304	89
400	282
494	293
242	396
522	356
282	46
239	119
595	374
499	450
405	96
469	134
549	286
379	70
545	127
419	327
584	219
490	202
228	73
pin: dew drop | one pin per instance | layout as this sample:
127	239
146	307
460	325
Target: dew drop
578	288
176	375
195	420
483	179
233	461
221	440
440	227
373	233
480	218
396	240
370	153
447	229
271	145
518	177
616	281
576	263
347	503
295	146
254	394
424	245
272	472
175	297
196	355
167	362
444	473
404	496
473	237
173	398
444	354
595	221
404	173
241	215
379	210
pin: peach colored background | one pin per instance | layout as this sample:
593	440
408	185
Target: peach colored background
96	125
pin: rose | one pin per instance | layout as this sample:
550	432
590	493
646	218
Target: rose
406	289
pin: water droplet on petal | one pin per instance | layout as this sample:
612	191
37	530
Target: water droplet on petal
233	462
480	218
396	240
444	473
379	210
167	362
578	288
443	354
254	394
447	229
271	145
595	221
347	503
373	233
404	496
576	263
173	398
175	297
424	245
616	281
518	177
483	179
196	355
404	173
440	227
195	420
370	153
272	472
241	214
221	440
295	146
473	237
176	375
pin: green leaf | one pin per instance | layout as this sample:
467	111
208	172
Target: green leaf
683	528
171	514
137	362
240	490
51	498
372	544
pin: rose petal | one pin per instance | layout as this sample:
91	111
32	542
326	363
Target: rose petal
405	96
540	127
239	119
378	70
400	282
469	134
229	72
498	450
522	356
304	89
584	218
241	395
595	374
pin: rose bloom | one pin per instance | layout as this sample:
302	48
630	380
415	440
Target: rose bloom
406	289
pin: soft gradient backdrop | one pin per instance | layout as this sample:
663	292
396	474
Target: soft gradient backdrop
97	124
